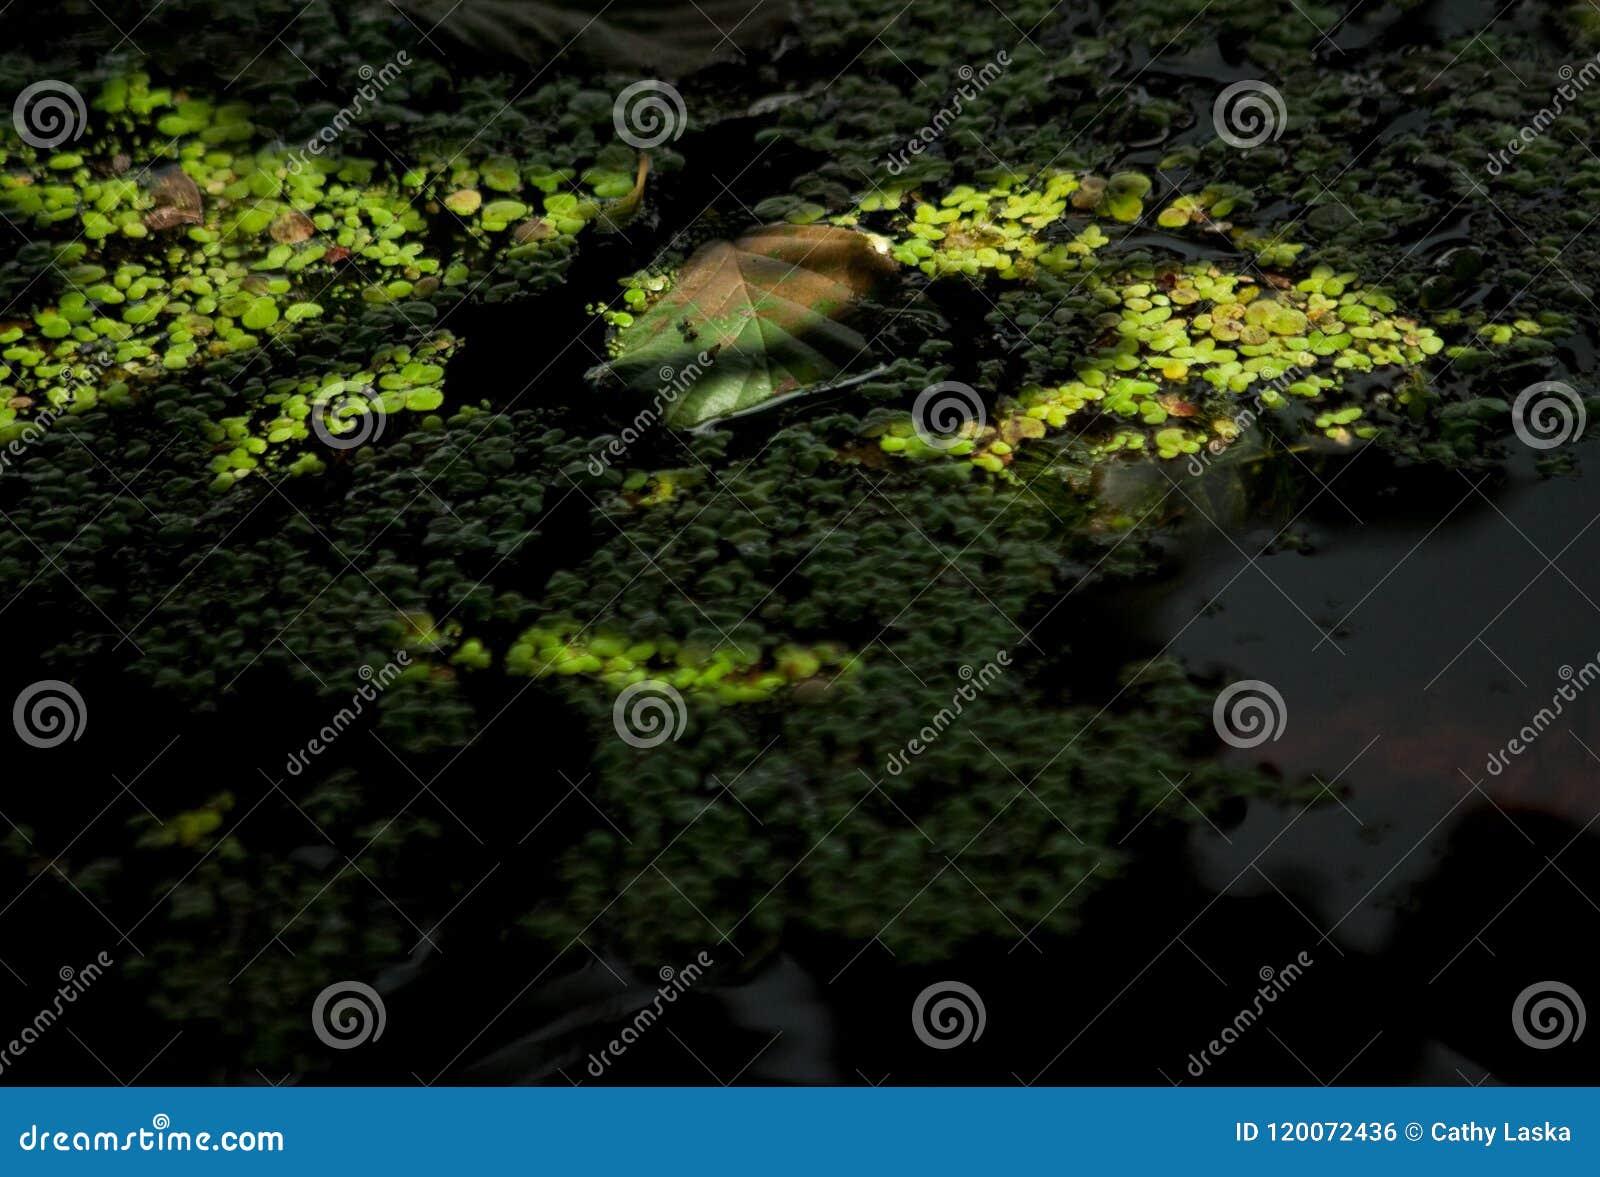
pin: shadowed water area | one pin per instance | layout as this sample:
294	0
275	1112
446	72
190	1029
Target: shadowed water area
506	575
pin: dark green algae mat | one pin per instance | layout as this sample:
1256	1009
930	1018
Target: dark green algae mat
534	494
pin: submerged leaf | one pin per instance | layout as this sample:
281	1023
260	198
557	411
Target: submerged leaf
751	320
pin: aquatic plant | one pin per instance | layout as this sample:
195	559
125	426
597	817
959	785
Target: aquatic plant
476	521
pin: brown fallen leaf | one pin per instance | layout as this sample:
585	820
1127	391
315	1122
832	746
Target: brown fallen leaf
620	211
291	228
1019	428
751	320
177	200
533	229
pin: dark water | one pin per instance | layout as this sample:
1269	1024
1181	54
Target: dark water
1417	622
1410	637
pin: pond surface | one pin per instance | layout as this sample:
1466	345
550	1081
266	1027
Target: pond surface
529	895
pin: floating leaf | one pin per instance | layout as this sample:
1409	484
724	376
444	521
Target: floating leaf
177	200
751	320
464	201
534	229
262	312
499	213
292	228
618	212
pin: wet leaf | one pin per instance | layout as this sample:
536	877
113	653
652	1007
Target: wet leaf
534	229
177	200
752	320
617	213
291	228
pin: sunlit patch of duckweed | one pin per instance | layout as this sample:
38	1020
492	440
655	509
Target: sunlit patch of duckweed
638	292
657	488
968	231
349	404
727	674
1181	348
173	237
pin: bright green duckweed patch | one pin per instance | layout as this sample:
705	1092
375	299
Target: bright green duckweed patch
1179	349
174	238
727	674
